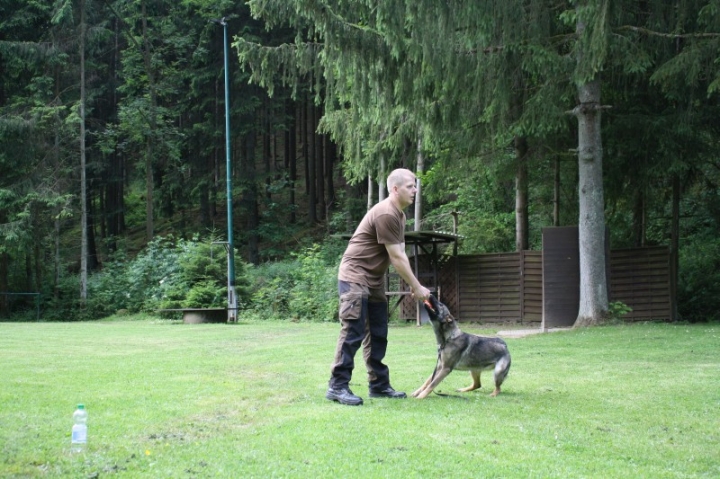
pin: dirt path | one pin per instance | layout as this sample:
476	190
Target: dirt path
521	333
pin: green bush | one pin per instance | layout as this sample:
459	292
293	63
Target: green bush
200	278
303	288
314	295
698	280
166	274
616	311
205	294
172	274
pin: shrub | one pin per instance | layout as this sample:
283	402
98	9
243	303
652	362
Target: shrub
698	280
166	274
302	288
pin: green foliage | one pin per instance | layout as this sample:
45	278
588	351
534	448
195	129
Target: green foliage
200	279
466	79
304	288
204	294
66	305
616	311
167	274
484	203
314	295
699	279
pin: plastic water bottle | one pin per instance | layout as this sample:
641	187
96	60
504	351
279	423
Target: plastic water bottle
79	429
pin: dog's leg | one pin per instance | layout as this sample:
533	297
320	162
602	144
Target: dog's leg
437	379
476	382
425	384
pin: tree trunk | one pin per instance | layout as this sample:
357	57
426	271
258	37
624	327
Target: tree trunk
319	164
556	194
369	192
266	147
4	260
310	159
250	199
639	219
56	209
292	157
92	257
330	156
381	179
521	195
418	196
149	151
593	307
114	197
83	180
674	245
591	227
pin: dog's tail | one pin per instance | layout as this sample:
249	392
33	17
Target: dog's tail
502	368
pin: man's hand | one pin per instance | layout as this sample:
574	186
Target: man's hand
421	294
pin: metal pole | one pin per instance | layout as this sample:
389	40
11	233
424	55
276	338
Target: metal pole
232	298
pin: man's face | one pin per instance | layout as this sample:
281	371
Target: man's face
406	191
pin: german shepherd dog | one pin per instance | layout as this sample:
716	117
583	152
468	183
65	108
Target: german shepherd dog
463	351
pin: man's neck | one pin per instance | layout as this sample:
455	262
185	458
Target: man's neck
395	200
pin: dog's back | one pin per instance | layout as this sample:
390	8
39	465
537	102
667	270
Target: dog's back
483	353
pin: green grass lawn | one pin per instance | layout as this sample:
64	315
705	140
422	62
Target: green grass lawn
169	400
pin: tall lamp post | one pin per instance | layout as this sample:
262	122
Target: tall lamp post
232	296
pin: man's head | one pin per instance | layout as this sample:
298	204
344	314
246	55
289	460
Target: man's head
402	186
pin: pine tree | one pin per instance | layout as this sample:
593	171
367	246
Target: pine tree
475	76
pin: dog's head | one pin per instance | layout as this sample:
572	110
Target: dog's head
437	311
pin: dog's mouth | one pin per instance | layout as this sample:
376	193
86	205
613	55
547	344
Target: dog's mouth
429	306
437	310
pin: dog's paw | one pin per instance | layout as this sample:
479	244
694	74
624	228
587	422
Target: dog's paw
417	393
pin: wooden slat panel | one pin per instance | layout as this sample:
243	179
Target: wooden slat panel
561	276
508	287
640	278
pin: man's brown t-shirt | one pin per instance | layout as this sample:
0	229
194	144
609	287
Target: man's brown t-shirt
366	260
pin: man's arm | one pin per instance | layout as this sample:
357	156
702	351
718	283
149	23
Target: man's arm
401	263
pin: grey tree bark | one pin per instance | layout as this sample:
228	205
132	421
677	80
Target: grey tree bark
521	195
83	180
418	196
591	226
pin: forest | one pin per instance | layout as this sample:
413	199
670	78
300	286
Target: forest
516	115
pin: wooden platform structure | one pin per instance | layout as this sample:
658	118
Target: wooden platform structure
427	263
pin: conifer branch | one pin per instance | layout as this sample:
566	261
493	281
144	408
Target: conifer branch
586	108
340	20
646	31
486	50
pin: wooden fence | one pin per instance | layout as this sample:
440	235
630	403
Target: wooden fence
640	278
503	287
508	287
